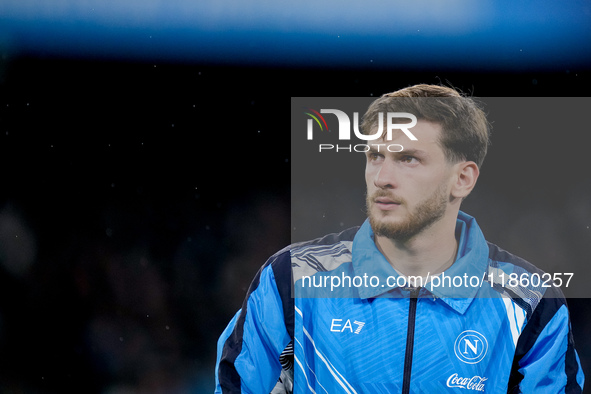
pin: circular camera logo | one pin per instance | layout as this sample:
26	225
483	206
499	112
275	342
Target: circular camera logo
470	347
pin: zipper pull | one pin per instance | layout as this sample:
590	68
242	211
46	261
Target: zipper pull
414	291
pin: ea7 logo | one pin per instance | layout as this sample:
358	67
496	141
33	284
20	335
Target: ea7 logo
337	325
470	347
345	124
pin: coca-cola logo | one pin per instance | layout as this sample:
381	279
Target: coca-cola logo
475	383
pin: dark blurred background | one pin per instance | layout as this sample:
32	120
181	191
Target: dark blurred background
145	162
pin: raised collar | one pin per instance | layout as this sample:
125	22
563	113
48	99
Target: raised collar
471	261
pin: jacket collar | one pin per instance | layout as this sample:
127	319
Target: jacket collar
470	264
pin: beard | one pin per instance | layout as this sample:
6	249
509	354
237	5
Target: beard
424	215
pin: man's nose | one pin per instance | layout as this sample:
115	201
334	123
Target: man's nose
386	177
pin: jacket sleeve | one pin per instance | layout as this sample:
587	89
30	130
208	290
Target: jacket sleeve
545	358
249	348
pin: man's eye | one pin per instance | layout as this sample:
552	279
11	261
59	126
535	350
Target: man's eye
373	156
409	159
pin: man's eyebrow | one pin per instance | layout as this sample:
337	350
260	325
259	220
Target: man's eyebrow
405	152
413	152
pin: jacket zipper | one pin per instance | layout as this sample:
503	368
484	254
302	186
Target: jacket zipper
410	338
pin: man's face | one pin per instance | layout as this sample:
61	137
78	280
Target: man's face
407	191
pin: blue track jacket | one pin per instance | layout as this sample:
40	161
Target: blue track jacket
332	316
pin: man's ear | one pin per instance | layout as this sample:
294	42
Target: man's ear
465	178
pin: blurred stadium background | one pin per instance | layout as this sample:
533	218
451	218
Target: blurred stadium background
145	152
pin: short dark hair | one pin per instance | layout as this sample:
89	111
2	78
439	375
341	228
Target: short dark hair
465	129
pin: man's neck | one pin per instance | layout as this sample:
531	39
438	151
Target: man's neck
428	253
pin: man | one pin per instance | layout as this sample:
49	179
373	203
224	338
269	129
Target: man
415	300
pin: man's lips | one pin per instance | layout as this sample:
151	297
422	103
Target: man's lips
383	200
386	203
